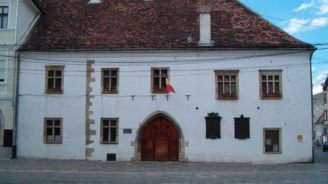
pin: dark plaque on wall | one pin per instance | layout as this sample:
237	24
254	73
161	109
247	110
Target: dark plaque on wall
127	131
242	128
213	129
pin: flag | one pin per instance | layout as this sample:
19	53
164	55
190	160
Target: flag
169	87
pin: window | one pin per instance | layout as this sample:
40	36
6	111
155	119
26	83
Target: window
109	131
4	17
109	80
272	140
54	79
53	130
2	71
159	76
270	84
242	128
226	85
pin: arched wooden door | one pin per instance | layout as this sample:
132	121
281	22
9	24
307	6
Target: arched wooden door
160	141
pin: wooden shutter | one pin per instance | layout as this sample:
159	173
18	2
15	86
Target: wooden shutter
213	129
242	128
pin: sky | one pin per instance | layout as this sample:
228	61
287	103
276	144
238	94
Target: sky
306	20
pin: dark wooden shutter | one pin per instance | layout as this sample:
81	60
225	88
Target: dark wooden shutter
242	128
213	129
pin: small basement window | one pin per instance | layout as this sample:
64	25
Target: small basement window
272	140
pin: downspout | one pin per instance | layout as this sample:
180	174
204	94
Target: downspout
15	86
14	151
311	56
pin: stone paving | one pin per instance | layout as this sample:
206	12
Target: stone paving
61	171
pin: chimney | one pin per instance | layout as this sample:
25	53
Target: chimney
94	1
205	27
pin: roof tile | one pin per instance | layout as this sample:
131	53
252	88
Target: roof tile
75	24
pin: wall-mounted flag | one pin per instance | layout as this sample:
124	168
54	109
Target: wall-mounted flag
169	87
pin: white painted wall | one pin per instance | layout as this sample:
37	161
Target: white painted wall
21	17
192	73
27	16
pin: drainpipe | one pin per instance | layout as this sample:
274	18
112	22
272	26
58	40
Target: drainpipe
311	56
14	151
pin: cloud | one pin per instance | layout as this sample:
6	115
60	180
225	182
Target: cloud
320	6
320	21
318	80
323	8
304	6
296	25
317	89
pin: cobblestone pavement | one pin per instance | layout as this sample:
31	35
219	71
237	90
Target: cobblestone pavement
59	171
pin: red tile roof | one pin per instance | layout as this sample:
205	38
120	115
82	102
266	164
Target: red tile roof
162	24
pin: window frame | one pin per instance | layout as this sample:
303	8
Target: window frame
152	79
273	73
109	126
280	141
3	14
226	73
54	68
4	71
45	126
102	81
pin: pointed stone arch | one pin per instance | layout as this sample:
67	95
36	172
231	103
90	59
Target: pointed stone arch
159	114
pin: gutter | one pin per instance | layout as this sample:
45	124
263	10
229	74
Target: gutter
168	49
312	133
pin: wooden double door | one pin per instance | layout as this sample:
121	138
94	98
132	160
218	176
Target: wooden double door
160	141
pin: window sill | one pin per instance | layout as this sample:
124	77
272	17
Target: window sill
272	153
271	97
159	91
227	98
109	92
54	92
7	29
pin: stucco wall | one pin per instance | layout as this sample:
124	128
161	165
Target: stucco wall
191	73
7	36
26	18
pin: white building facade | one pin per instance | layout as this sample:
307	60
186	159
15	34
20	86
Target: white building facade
192	74
96	87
